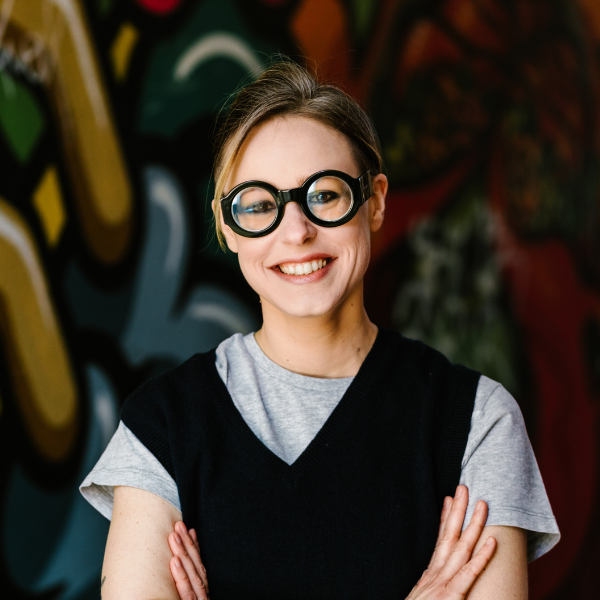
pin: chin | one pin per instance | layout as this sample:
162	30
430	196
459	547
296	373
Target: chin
306	309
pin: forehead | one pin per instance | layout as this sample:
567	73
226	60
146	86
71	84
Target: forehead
285	151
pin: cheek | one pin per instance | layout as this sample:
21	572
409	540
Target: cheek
360	242
251	254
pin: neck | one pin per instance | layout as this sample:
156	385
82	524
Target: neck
328	346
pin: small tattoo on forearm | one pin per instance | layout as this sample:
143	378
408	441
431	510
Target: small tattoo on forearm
103	580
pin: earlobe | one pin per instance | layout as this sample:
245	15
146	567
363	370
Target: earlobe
377	201
230	238
225	229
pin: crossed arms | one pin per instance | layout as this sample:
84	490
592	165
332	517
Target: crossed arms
138	562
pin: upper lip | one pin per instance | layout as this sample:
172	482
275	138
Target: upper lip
300	260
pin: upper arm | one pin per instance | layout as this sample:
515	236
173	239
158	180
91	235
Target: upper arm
136	560
506	574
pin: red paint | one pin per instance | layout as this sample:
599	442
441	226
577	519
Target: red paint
406	207
552	305
161	7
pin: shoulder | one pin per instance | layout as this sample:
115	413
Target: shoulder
495	409
160	407
493	397
178	383
451	387
427	359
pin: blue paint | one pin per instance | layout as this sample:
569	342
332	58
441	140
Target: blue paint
56	539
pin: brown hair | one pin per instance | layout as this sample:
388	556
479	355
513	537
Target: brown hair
286	88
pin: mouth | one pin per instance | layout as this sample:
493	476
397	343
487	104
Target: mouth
303	268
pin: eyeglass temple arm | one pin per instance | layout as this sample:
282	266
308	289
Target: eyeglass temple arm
366	186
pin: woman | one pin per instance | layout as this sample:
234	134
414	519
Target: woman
313	457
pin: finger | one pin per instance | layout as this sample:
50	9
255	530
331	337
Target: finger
452	527
463	549
192	549
186	572
181	579
470	536
445	512
180	551
462	582
443	518
195	538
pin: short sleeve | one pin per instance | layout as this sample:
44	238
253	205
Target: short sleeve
126	461
499	467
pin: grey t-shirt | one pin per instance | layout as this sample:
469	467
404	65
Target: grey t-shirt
498	465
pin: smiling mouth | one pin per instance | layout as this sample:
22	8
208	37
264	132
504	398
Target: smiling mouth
305	268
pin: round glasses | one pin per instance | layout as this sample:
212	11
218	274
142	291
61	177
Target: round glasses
328	198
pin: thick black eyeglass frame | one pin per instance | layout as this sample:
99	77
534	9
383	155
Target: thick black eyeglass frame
361	187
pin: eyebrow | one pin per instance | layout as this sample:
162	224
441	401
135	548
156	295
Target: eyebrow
301	180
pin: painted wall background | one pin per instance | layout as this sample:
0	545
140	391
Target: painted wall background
489	116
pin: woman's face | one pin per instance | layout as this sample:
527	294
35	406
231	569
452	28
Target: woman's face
285	152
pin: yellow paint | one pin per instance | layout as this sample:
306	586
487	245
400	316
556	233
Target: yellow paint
97	170
122	48
38	360
48	201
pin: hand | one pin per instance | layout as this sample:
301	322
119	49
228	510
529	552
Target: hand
452	570
187	569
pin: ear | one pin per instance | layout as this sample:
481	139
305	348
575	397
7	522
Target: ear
377	202
230	236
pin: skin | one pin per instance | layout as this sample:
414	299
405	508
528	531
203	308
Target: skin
315	325
317	328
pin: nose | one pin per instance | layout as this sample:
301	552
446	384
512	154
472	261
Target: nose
295	228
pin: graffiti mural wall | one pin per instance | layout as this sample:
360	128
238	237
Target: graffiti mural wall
489	116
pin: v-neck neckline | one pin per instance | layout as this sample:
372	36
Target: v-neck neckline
330	433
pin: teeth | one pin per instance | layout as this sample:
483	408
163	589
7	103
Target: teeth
303	268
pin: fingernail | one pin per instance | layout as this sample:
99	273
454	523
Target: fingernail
178	539
489	541
478	506
459	492
178	564
181	527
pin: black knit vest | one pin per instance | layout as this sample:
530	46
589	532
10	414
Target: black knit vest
355	516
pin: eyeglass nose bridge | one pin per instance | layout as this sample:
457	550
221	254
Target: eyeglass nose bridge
286	196
294	195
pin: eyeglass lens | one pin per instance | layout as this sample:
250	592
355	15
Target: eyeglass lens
329	199
254	209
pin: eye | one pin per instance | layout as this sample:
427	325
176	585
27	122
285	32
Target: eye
322	197
263	206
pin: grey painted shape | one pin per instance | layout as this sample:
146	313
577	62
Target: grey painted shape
157	329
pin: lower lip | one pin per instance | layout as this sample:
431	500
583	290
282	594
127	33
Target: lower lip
310	278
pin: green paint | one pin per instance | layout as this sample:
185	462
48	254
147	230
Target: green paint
21	119
168	103
453	297
104	6
363	11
